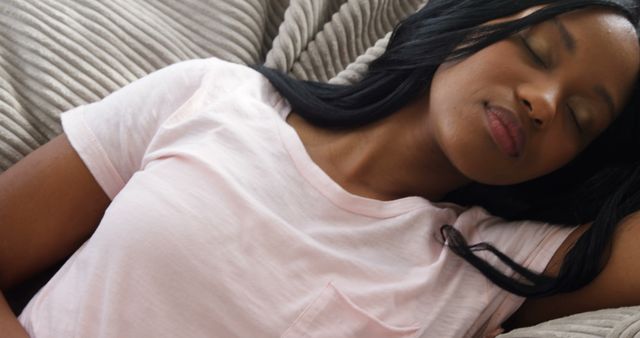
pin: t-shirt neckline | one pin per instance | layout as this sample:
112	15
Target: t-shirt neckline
344	199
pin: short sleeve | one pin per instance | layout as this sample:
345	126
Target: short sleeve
112	135
529	243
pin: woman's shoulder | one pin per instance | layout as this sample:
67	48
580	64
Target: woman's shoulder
532	311
214	71
617	284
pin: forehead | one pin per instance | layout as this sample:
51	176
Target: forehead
606	48
599	27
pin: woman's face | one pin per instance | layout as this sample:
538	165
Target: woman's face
527	105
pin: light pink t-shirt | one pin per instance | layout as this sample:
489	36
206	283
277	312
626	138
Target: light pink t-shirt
222	226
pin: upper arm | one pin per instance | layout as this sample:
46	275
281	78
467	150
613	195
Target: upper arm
53	199
115	134
49	205
617	285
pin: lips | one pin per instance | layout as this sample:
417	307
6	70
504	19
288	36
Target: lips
506	130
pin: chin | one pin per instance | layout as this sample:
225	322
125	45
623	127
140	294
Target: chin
479	172
487	180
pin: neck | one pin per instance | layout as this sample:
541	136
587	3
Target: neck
389	159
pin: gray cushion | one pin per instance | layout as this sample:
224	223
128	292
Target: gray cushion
610	323
58	54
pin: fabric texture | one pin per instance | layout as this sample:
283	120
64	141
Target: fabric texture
221	224
59	54
610	323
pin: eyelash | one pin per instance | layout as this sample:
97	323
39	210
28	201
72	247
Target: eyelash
573	116
541	62
531	52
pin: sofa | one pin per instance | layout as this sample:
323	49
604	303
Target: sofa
58	54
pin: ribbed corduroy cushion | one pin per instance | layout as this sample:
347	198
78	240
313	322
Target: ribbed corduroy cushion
58	54
610	323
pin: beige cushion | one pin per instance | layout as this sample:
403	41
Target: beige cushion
58	54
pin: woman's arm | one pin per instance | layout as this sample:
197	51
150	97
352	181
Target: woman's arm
9	324
617	285
49	205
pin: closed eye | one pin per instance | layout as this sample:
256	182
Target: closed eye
575	119
536	58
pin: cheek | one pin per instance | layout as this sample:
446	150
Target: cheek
453	81
468	146
482	76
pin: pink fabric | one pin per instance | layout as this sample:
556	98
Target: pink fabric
221	226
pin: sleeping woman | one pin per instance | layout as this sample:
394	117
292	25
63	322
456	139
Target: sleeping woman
476	179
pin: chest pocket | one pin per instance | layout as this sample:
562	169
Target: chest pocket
333	315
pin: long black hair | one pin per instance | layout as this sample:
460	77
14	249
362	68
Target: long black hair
600	185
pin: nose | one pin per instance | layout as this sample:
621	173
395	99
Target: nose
541	100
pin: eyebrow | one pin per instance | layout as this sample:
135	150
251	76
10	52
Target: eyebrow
568	40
